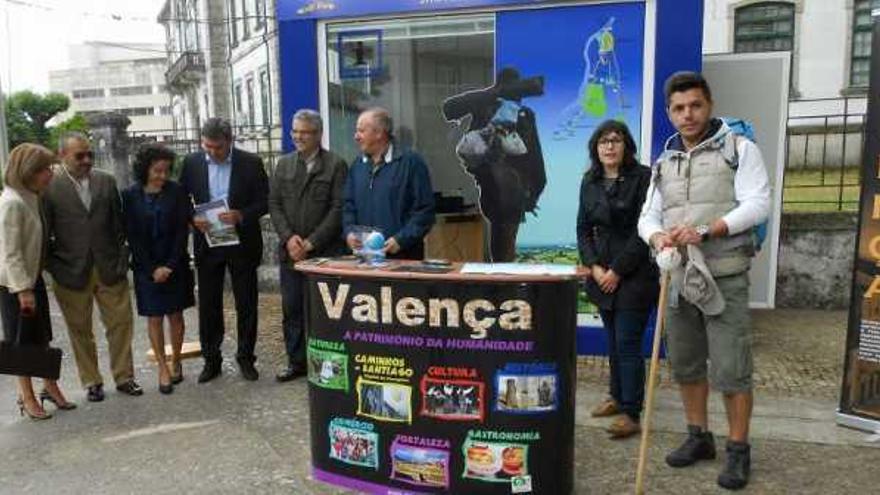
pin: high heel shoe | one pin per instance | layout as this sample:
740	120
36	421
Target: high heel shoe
65	406
22	410
177	377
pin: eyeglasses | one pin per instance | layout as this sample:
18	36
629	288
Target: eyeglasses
610	142
302	132
82	155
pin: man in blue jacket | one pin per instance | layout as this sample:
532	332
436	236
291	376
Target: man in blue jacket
387	188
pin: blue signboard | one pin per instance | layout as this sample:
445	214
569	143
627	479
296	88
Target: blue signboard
324	9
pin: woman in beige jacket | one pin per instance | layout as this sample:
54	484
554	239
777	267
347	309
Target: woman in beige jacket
24	305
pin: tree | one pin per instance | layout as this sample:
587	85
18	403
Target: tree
27	114
77	123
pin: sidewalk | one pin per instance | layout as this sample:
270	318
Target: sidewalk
232	436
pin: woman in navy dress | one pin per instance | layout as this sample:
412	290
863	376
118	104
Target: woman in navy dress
157	216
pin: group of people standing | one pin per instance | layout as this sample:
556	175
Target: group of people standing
72	221
697	206
706	192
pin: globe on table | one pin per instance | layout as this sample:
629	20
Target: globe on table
374	241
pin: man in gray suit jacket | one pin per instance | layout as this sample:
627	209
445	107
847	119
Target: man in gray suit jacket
305	202
88	260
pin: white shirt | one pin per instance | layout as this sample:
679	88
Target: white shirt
751	188
389	155
81	186
311	160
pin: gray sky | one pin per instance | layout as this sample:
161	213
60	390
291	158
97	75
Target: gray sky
34	37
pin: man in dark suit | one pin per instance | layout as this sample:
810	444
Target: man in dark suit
225	172
305	202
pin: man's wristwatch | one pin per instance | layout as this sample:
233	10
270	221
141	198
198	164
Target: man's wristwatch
703	231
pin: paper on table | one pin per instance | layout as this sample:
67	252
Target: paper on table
519	269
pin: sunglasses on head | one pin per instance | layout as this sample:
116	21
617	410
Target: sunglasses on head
84	154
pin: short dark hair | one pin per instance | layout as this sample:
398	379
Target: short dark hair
629	144
685	81
146	156
216	128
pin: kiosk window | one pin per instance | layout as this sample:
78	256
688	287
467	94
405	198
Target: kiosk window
409	66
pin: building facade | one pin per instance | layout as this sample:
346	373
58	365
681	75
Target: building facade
105	77
829	41
197	73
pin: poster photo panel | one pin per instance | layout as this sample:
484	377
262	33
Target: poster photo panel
591	63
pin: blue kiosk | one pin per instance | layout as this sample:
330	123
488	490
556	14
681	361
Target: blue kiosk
572	64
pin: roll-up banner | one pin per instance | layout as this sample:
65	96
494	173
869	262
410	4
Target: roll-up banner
442	386
860	394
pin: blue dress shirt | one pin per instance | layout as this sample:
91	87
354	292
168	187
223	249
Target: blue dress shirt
218	176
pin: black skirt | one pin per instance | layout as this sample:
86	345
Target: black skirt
35	330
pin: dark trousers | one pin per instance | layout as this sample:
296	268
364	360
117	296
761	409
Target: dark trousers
292	288
211	271
625	331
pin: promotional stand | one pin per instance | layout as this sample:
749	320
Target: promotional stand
430	382
860	393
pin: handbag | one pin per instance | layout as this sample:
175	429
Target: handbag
29	360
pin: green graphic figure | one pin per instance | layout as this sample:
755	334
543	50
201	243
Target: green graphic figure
601	77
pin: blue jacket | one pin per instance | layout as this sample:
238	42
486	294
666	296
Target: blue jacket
398	198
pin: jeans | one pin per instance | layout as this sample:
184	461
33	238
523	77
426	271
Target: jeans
625	331
292	291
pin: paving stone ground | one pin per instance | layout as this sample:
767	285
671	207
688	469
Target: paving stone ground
232	436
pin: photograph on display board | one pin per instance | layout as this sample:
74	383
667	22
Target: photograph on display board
353	445
452	400
384	401
502	152
328	369
494	461
522	393
419	465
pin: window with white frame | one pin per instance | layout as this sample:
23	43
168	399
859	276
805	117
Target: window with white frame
860	66
233	24
246	20
260	20
764	27
264	96
249	87
239	111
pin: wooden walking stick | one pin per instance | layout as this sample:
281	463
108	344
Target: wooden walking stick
652	382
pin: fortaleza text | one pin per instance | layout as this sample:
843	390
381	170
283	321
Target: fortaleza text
478	314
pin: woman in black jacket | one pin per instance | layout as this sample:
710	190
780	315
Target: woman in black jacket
623	281
157	216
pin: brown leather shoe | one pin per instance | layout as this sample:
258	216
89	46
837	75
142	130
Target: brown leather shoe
606	408
623	427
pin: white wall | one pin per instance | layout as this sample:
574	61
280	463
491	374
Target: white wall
823	32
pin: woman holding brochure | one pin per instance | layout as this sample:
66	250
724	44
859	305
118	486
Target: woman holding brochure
157	215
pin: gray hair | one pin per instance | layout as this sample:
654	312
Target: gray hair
382	119
68	136
310	117
216	128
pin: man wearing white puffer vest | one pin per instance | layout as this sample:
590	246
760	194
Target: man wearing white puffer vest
709	190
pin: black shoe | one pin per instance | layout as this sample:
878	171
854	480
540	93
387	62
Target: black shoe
210	371
248	372
292	372
130	388
739	463
65	406
177	377
166	389
95	393
699	445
